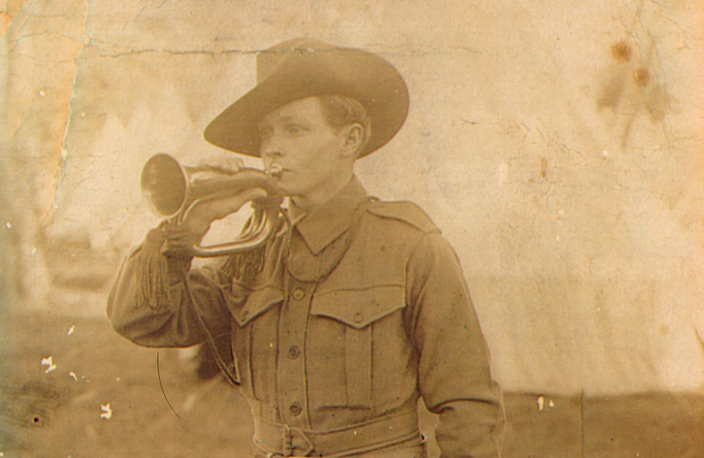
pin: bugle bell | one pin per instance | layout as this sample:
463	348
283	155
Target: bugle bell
173	190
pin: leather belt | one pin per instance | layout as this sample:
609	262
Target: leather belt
278	440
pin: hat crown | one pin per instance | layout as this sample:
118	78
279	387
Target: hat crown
271	58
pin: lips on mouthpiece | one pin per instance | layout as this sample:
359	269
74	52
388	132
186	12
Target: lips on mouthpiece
275	171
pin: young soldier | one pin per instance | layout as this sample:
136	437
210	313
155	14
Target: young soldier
355	308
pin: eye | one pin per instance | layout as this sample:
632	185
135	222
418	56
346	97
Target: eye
294	130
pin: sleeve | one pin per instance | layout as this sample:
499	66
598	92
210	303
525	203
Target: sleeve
453	370
152	304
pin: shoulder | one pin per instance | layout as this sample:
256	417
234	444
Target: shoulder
405	212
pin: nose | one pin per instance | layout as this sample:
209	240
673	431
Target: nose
271	158
271	154
270	149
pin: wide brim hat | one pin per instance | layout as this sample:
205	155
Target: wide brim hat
302	68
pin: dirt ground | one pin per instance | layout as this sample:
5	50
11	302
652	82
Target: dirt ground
72	388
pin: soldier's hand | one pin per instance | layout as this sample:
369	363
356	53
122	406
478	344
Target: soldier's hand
204	213
178	238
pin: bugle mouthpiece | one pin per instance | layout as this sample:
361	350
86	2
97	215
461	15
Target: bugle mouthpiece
275	171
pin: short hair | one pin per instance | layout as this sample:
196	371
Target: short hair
341	111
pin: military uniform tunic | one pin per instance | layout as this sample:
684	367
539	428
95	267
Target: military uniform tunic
359	309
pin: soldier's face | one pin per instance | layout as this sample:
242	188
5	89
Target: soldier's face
299	139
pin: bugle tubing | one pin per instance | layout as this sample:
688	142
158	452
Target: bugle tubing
173	190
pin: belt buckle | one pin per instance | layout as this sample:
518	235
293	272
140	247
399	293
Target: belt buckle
286	442
287	445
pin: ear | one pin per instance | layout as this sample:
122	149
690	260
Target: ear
351	136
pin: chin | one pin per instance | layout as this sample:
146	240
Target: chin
289	191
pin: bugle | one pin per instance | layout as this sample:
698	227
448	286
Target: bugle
173	190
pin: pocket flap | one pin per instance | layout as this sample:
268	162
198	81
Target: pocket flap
359	308
258	301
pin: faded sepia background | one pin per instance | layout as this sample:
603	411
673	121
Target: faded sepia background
558	144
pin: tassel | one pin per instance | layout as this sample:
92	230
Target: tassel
244	267
152	273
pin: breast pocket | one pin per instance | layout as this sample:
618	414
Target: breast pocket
252	319
341	337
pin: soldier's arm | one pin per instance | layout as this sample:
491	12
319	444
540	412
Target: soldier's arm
150	303
454	376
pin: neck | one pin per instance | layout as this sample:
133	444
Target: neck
308	203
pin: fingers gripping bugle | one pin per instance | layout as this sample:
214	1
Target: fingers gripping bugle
174	190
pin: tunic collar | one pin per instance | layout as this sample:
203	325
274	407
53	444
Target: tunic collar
331	218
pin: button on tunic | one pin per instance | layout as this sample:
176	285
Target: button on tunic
360	309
